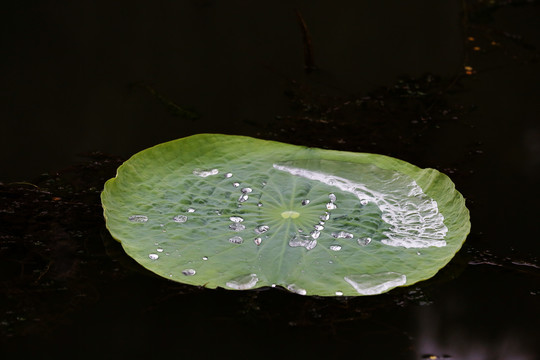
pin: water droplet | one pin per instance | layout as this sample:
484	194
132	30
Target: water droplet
319	227
372	284
332	197
325	216
364	241
304	241
335	247
243	282
180	218
246	190
228	175
218	212
138	218
153	256
170	275
205	258
236	184
343	235
236	219
236	240
263	183
191	210
257	241
418	253
305	202
205	173
331	206
339	293
189	272
315	234
364	201
243	198
237	227
259	204
296	289
159	249
262	229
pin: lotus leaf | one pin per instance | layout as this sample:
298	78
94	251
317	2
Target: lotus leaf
243	213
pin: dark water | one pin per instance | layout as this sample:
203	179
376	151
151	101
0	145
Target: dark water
391	78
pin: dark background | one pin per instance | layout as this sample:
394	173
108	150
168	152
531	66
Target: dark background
453	85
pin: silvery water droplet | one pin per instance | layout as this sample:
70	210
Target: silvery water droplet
246	190
296	289
236	184
332	197
319	227
159	249
339	293
418	253
189	272
257	241
325	216
343	235
372	284
264	183
236	219
305	202
364	241
236	240
303	241
228	175
191	210
237	227
243	198
243	282
315	234
180	218
364	201
218	212
262	229
205	173
138	218
205	258
259	204
331	206
335	247
153	256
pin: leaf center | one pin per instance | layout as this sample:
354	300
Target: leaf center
290	214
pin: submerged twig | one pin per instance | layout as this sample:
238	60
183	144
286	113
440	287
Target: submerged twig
174	108
309	63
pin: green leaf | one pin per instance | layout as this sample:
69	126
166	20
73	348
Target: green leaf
243	213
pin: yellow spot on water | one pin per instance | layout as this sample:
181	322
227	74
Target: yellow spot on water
470	38
290	214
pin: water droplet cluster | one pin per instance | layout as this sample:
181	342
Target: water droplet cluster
316	218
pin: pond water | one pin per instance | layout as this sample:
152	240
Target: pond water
450	85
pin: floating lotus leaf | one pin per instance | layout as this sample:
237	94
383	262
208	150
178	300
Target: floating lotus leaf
243	213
